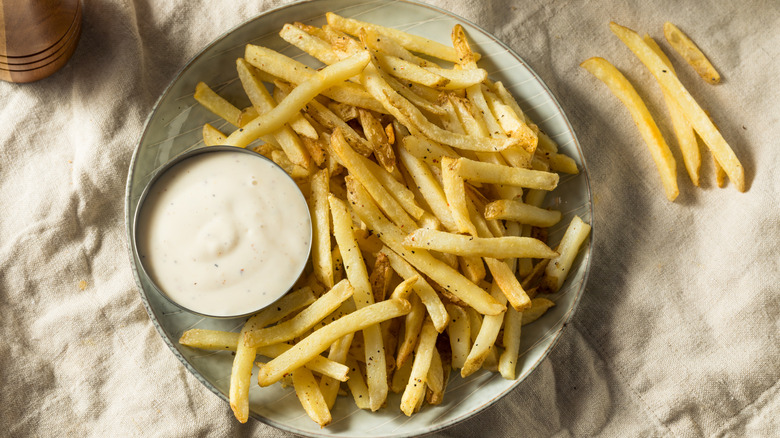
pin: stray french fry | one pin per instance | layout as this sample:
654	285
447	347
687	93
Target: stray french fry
686	136
691	53
623	90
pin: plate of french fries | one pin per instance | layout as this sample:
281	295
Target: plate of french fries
450	205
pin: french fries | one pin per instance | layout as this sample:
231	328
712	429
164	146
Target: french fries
687	117
414	172
693	112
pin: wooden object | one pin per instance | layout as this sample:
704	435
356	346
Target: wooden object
37	37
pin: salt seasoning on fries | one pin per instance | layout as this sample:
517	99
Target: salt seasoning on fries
416	179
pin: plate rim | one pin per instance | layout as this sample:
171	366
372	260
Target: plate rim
556	335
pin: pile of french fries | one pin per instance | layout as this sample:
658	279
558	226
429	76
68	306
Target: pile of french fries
687	117
425	185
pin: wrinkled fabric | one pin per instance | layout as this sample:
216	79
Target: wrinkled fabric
677	333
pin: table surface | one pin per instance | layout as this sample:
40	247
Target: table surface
677	333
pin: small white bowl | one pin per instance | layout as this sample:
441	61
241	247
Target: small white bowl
157	277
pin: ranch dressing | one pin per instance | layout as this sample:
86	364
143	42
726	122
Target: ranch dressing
224	233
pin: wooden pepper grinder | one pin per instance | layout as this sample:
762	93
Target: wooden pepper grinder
37	37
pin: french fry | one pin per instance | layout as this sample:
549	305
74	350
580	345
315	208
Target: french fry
297	99
539	307
415	389
483	342
691	53
344	111
376	367
410	93
405	197
623	90
409	41
294	72
512	123
212	136
411	72
319	208
693	112
558	268
495	247
211	339
310	44
491	173
338	353
686	136
228	341
720	173
513	323
401	377
328	118
302	322
435	380
401	63
456	195
357	384
316	149
429	188
459	331
298	123
428	151
380	277
217	104
322	338
310	396
412	325
375	134
514	210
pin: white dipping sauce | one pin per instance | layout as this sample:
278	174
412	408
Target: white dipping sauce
224	233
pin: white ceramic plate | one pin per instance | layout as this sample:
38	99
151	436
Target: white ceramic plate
175	126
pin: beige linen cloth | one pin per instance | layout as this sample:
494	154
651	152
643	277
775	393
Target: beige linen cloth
677	333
